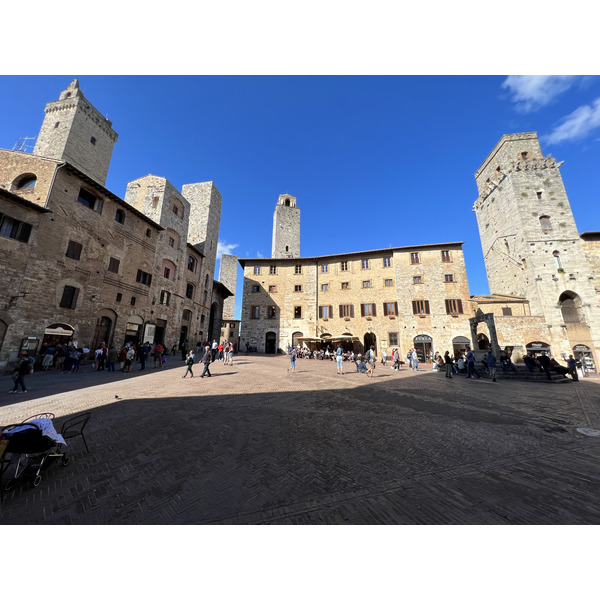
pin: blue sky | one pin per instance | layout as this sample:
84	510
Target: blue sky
374	161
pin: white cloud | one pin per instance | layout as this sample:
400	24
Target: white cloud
577	125
224	248
531	92
259	255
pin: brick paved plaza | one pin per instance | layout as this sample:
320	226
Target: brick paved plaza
254	444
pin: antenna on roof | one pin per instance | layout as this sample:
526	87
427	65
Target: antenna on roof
23	146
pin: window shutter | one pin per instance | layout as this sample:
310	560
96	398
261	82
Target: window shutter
459	304
341	311
362	310
330	311
24	233
374	309
395	308
320	312
385	310
447	306
426	307
414	303
352	310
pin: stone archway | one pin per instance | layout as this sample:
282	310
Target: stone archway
488	319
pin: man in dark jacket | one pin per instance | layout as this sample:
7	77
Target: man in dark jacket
206	359
545	364
23	368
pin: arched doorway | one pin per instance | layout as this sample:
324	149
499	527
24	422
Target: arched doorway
295	336
459	345
585	356
270	343
370	339
571	308
3	328
423	344
536	348
102	332
58	333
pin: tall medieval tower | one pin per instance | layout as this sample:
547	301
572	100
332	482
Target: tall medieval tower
286	228
76	132
228	268
530	242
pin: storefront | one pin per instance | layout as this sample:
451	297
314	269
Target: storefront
536	348
423	344
585	356
459	345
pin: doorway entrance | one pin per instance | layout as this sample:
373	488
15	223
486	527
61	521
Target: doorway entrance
423	345
270	343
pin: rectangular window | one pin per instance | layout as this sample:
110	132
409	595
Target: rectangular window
167	273
449	278
390	308
165	298
388	282
324	287
366	284
186	315
69	297
368	310
345	285
113	265
89	200
273	270
132	301
254	312
171	242
16	230
417	279
344	265
364	263
325	312
256	270
414	258
297	312
74	250
297	288
272	289
454	307
387	261
393	338
119	297
143	277
189	291
347	310
298	269
324	268
506	311
445	255
271	312
255	288
420	307
191	264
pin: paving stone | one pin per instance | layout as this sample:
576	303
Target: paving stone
256	445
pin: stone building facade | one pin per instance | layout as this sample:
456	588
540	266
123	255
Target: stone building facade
404	297
286	228
532	249
81	264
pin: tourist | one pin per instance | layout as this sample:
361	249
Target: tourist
384	357
371	358
572	365
111	358
292	367
23	368
339	359
507	363
471	364
129	356
158	352
448	363
206	359
189	361
545	364
491	363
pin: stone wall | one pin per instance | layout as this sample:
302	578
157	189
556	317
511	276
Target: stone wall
286	228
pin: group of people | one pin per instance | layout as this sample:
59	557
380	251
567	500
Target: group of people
209	353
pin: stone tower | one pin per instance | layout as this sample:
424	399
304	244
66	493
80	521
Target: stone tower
228	277
286	228
76	132
204	222
530	242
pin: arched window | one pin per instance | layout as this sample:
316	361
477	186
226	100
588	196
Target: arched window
168	269
571	308
556	255
120	216
25	182
545	223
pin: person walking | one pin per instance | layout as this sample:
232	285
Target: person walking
158	350
370	359
189	361
292	367
206	359
448	363
339	360
129	357
545	364
491	363
572	366
471	365
23	369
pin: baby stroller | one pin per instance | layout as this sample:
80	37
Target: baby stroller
35	442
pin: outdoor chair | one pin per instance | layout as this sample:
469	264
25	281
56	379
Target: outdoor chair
74	427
